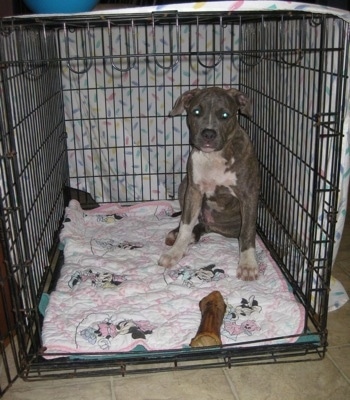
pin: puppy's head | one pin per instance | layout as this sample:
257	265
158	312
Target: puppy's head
211	115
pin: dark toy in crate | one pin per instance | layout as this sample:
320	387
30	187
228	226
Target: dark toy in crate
84	104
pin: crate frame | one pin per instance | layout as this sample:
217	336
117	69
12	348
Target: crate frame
35	52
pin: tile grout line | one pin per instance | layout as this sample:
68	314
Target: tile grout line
337	346
113	386
338	368
230	383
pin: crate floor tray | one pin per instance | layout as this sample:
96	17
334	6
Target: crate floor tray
113	297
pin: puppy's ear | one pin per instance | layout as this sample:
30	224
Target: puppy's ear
183	101
242	100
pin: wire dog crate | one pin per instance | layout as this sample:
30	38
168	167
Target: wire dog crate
84	109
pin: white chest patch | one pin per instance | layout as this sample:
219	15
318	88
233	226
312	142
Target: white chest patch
210	171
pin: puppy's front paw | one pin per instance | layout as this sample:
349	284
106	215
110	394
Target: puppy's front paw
248	272
167	260
248	269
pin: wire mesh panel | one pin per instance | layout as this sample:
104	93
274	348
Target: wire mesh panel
298	136
125	83
85	103
33	174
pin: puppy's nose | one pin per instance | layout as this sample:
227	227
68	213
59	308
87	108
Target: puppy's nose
209	134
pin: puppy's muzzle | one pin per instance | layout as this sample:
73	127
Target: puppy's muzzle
209	135
208	140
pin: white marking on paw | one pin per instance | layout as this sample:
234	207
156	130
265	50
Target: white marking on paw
248	269
166	260
174	255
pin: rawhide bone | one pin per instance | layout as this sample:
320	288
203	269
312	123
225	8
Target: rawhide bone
213	310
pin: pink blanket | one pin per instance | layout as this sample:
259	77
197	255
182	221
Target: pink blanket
113	297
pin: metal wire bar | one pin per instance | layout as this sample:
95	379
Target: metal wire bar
85	46
127	48
172	50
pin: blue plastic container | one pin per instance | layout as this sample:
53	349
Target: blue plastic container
60	6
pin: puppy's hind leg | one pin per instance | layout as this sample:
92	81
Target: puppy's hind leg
197	232
171	236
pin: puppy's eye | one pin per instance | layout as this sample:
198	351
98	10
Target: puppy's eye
196	112
225	115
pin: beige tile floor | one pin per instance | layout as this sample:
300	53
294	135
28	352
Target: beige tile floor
328	379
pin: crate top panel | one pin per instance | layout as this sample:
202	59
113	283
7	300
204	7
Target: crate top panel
206	11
